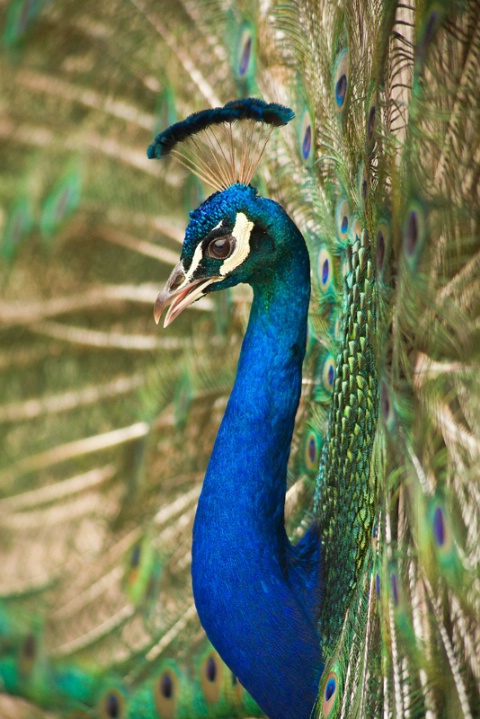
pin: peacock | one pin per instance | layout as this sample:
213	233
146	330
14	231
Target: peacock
300	441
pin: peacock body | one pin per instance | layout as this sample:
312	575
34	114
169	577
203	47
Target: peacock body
360	586
279	580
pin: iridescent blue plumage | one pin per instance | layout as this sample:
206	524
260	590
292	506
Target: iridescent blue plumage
261	613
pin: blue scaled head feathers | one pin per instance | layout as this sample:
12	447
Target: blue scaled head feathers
223	147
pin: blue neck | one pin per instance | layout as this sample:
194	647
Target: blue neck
250	595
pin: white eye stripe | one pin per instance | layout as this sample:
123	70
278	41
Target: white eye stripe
242	233
196	259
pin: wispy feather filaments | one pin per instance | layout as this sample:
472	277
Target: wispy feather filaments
224	154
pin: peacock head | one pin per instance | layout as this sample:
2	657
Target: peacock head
235	235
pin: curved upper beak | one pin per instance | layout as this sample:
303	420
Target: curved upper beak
179	294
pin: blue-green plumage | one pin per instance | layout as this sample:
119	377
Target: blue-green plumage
257	596
261	614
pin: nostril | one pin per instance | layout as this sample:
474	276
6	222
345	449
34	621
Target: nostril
176	281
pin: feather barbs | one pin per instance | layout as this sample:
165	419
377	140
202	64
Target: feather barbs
222	146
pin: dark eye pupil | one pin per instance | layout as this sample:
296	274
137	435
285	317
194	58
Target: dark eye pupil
219	248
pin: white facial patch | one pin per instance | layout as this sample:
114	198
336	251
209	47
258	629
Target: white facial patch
242	232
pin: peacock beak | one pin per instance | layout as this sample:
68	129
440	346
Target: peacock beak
179	293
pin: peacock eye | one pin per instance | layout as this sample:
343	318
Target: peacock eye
220	248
